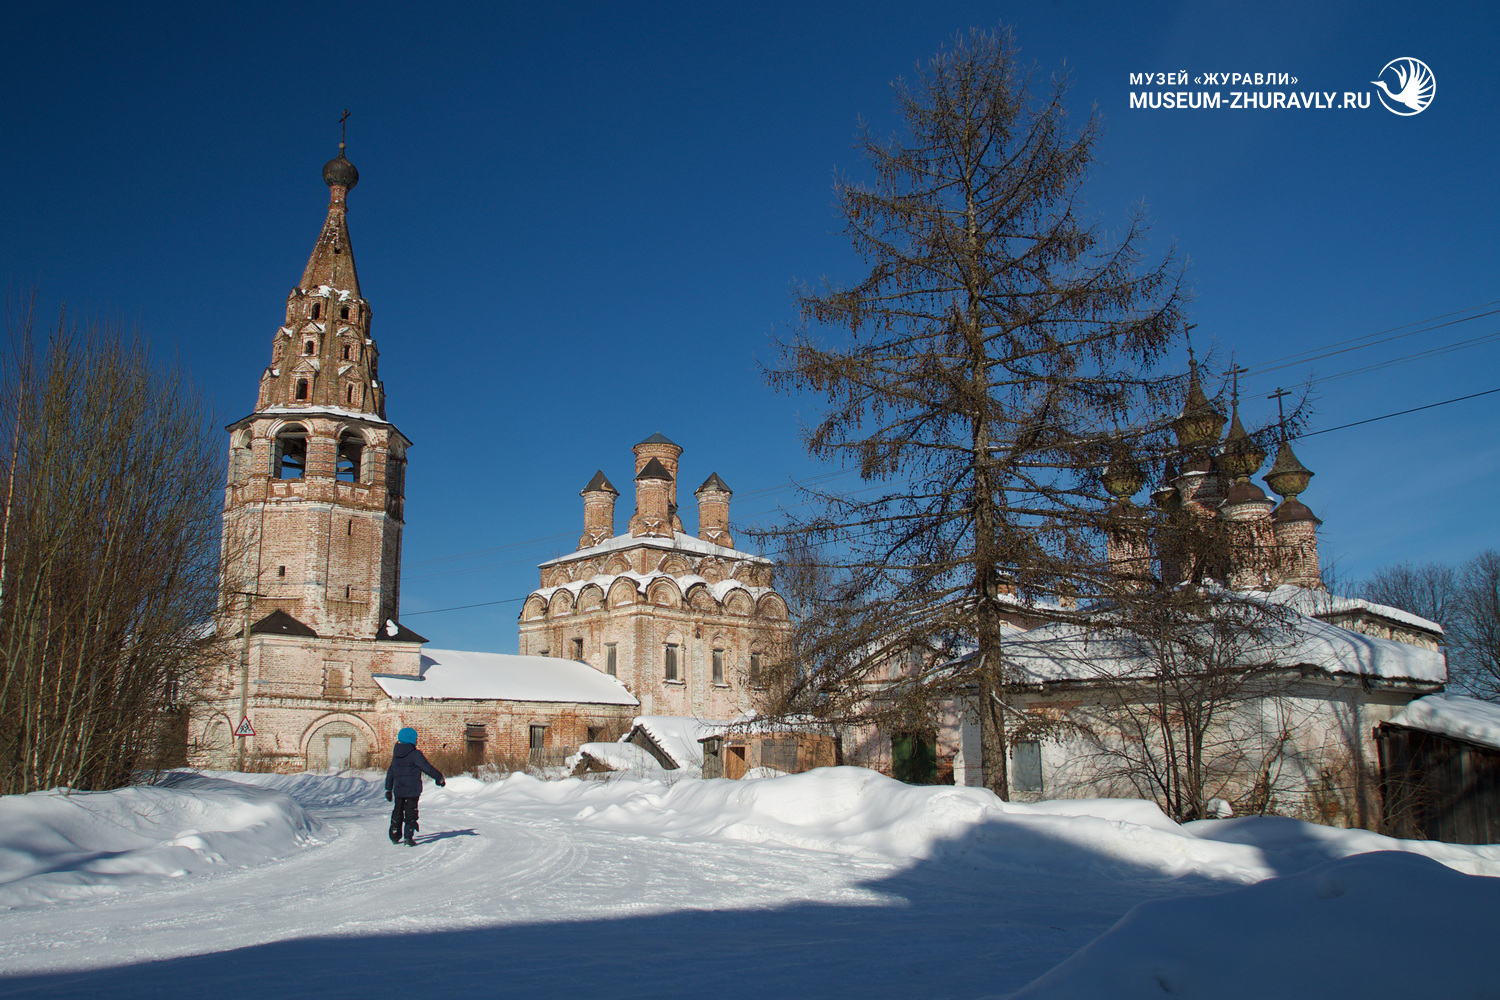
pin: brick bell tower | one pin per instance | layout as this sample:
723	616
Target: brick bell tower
313	521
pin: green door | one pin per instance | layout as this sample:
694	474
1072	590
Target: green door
914	758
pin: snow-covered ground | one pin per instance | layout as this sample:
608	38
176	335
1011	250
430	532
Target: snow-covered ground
835	883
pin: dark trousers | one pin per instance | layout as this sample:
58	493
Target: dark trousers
405	813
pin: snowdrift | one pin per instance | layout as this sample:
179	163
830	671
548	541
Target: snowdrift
60	845
853	810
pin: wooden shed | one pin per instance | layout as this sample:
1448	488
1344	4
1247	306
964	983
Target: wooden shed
1440	771
731	754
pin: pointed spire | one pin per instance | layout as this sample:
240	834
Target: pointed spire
713	484
654	470
332	260
599	484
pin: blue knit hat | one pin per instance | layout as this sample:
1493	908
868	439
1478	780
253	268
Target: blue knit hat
407	735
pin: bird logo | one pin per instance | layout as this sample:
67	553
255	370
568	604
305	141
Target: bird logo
1415	86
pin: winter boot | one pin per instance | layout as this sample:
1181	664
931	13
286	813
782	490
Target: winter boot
410	841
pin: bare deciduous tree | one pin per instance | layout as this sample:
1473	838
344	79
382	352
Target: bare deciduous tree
108	534
1465	601
1186	700
995	344
1476	630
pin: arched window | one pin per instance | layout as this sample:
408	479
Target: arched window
349	394
310	348
289	456
317	310
671	669
343	312
239	466
351	458
301	394
346	352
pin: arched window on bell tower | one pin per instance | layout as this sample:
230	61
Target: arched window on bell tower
289	454
239	463
351	458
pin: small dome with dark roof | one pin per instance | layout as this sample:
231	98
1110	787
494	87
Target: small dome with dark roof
339	171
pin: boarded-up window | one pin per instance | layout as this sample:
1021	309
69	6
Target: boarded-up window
757	680
577	649
670	668
610	662
718	666
333	680
474	742
538	737
779	752
1026	761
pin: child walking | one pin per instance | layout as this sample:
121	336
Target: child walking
403	784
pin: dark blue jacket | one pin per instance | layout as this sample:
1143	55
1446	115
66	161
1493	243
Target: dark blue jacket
404	776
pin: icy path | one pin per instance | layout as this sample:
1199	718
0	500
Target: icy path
538	903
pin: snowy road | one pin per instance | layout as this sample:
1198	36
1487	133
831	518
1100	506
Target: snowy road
837	883
529	901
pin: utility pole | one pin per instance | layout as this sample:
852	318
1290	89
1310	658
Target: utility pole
244	676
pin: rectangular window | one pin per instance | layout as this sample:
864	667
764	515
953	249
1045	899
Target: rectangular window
577	649
719	667
610	663
538	737
756	680
474	741
671	662
1026	761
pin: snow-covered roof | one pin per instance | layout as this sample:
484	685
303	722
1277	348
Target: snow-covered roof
1075	652
1453	715
677	736
332	411
455	674
750	725
1319	603
604	581
679	542
619	756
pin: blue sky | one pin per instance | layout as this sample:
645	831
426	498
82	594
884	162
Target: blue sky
579	225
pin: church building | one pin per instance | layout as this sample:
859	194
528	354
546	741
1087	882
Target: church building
687	623
314	667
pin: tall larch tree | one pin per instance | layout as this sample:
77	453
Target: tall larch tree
996	357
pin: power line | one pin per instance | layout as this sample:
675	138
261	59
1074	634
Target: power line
463	607
1399	413
1274	364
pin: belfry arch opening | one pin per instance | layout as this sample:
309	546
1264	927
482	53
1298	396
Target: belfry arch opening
289	456
239	465
351	465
